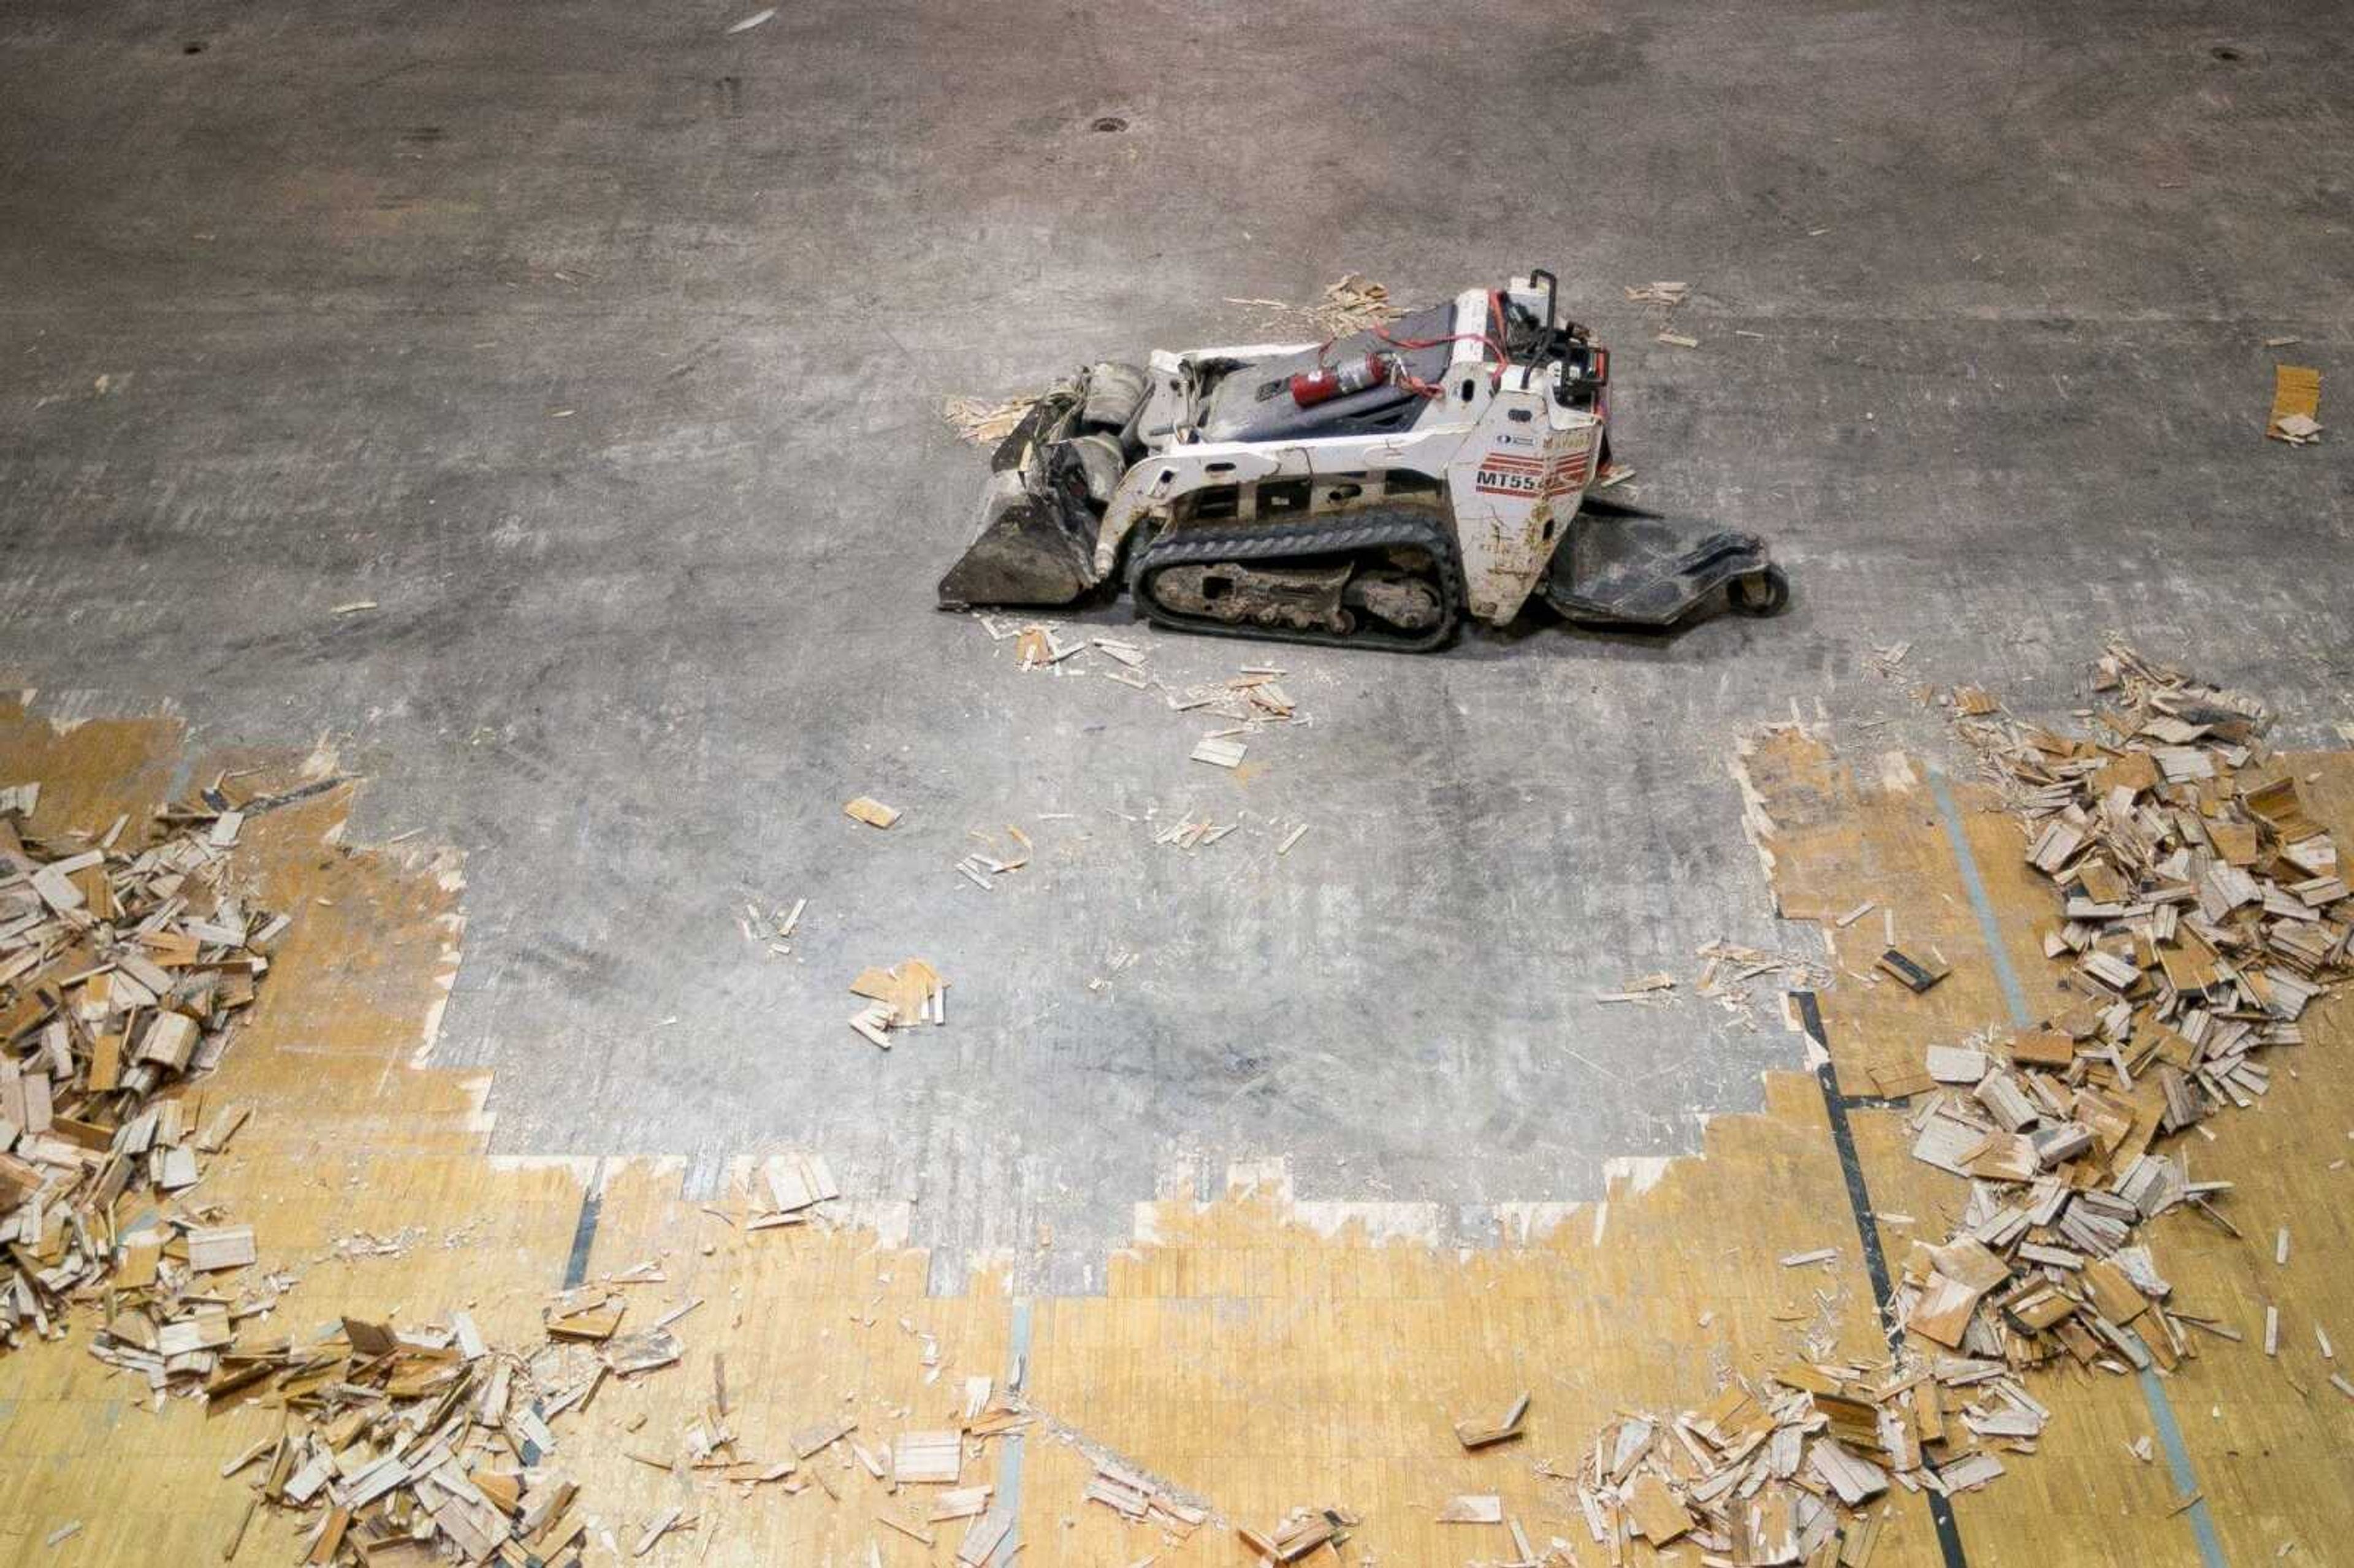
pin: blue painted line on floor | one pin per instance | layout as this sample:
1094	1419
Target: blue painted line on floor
2014	996
584	1229
1009	1470
2179	1466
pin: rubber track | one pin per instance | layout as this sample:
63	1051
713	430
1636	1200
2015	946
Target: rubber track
1370	528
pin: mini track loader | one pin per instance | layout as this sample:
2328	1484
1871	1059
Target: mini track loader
1371	490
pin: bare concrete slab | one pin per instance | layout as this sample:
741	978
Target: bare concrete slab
604	351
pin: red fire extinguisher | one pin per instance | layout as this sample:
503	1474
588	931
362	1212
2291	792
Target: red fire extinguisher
1311	387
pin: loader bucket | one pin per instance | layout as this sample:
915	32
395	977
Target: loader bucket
1035	544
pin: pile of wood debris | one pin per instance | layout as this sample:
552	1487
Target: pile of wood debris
901	997
1785	1469
124	967
982	423
432	1444
2202	912
1352	303
123	974
426	1445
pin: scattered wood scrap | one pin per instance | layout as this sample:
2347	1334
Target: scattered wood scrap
980	867
1191	833
959	1503
982	422
871	811
797	1183
1483	1434
1666	294
1300	1532
2296	400
1036	647
928	1458
2204	907
655	1529
1729	972
1140	1501
1252	701
1916	972
1473	1507
1774	1470
901	997
774	929
1219	751
982	1541
1129	655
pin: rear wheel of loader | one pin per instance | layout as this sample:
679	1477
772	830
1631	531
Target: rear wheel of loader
1760	593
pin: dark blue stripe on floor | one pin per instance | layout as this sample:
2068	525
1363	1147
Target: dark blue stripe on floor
1875	1260
584	1229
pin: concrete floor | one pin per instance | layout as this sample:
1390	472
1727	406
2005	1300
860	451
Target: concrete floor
604	350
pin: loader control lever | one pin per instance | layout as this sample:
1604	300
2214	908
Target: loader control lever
1584	364
1551	287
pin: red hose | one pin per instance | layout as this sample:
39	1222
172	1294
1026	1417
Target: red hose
1414	383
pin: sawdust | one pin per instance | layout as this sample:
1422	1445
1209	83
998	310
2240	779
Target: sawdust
1350	303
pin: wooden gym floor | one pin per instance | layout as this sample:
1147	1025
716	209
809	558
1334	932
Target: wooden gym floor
1252	1353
